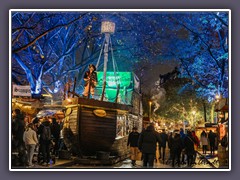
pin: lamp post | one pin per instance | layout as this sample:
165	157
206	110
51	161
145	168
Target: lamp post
150	110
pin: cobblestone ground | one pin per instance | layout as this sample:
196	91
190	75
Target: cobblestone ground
158	164
200	164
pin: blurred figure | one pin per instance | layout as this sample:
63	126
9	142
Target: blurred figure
162	145
189	147
30	139
176	149
204	141
196	145
55	130
133	142
36	123
183	153
44	132
211	138
170	144
18	128
147	144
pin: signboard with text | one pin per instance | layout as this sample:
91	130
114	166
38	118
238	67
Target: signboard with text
21	90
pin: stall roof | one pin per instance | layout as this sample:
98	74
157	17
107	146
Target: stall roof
224	108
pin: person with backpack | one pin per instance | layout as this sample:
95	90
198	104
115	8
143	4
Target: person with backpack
44	131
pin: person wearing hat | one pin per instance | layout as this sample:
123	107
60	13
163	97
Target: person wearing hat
133	142
90	79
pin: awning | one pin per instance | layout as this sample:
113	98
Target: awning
46	112
224	108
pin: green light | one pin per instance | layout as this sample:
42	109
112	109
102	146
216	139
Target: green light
124	79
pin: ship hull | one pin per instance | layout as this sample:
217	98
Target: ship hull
100	126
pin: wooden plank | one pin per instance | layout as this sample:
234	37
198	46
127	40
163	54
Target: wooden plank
97	133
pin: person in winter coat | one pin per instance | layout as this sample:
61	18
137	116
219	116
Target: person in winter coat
183	153
133	143
55	130
211	138
162	145
30	139
204	141
147	144
18	128
189	147
176	149
170	144
44	143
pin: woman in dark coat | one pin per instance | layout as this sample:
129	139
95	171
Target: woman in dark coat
189	147
147	144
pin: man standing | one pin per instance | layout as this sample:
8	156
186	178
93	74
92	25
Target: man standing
162	145
90	78
44	131
147	144
133	142
211	138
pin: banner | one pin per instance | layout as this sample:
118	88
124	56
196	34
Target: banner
21	90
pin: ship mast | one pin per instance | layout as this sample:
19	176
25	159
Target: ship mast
107	28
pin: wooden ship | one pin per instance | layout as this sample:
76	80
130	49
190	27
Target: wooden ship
102	124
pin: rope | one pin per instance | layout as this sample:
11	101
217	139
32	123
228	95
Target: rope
114	64
100	53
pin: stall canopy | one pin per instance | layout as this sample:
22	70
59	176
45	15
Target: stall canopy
46	112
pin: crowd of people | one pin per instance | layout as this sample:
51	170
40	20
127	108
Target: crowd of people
44	137
39	136
180	147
